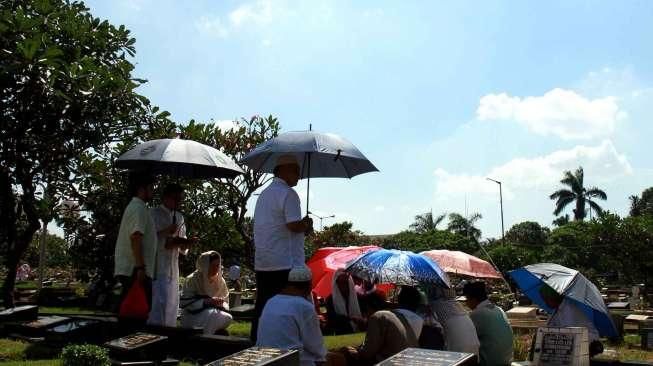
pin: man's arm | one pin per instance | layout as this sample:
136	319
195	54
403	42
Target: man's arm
137	252
373	339
312	335
302	226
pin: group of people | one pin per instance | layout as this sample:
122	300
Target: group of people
147	251
286	316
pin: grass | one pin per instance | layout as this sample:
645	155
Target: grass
71	310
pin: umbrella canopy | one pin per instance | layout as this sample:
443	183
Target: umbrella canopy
179	158
324	266
399	268
569	283
461	263
320	155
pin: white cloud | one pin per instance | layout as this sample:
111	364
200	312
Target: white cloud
559	112
226	124
212	26
259	13
601	163
379	208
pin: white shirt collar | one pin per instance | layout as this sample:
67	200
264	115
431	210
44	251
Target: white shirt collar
278	180
138	200
166	209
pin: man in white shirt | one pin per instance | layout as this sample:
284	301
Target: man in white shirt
278	233
171	240
567	313
135	253
289	320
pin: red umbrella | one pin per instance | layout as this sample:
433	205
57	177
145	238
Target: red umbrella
326	261
462	263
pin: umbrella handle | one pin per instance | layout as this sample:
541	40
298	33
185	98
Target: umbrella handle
308	183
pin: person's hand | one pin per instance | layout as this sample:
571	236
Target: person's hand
140	276
170	229
308	222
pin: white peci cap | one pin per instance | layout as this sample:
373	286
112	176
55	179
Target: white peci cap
300	274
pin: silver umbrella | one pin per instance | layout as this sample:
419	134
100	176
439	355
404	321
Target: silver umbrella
179	158
320	155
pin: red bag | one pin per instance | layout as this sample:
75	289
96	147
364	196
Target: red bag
135	303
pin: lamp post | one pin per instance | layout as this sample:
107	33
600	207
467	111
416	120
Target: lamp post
501	204
321	218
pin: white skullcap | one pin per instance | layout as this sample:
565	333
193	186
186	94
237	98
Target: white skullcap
300	274
234	272
287	160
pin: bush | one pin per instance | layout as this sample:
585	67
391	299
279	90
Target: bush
85	355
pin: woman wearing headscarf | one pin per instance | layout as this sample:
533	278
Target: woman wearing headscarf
343	310
205	296
459	330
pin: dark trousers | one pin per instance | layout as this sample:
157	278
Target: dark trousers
268	284
127	283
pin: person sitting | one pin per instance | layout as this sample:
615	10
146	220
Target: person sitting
389	332
492	326
343	311
366	291
289	321
459	330
205	296
569	314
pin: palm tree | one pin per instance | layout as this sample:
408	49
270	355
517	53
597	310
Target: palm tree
425	222
577	192
635	205
464	226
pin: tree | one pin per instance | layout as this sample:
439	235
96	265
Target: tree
642	205
527	233
464	226
577	193
426	222
561	220
338	234
57	252
65	88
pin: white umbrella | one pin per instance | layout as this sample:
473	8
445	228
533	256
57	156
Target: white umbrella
320	155
179	158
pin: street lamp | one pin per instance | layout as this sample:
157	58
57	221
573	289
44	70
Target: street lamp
321	218
501	204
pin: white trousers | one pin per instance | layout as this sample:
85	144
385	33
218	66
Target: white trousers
165	302
211	320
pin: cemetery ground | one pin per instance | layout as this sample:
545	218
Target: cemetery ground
14	351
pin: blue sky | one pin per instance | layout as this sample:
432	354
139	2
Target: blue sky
438	95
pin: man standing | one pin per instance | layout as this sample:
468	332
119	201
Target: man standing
492	326
171	240
278	234
289	320
135	254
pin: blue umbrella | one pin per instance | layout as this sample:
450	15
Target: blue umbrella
569	283
398	267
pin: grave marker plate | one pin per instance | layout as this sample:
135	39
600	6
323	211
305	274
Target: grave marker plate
259	356
561	347
423	357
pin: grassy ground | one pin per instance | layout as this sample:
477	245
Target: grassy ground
17	353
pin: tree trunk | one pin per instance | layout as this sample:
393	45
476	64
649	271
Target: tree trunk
579	212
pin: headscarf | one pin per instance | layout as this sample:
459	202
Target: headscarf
208	286
350	308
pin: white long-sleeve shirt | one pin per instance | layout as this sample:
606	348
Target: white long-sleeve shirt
290	322
569	314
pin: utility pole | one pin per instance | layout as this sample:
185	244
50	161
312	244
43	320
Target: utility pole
503	235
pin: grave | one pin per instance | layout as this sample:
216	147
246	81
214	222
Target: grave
619	305
260	356
633	321
138	347
561	347
75	330
36	328
424	357
19	313
646	332
522	313
242	312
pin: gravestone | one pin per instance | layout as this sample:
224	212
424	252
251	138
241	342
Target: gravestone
25	312
423	357
260	356
646	332
138	347
561	347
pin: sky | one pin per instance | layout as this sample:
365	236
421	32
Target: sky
438	95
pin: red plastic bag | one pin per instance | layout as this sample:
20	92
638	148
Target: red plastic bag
135	303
